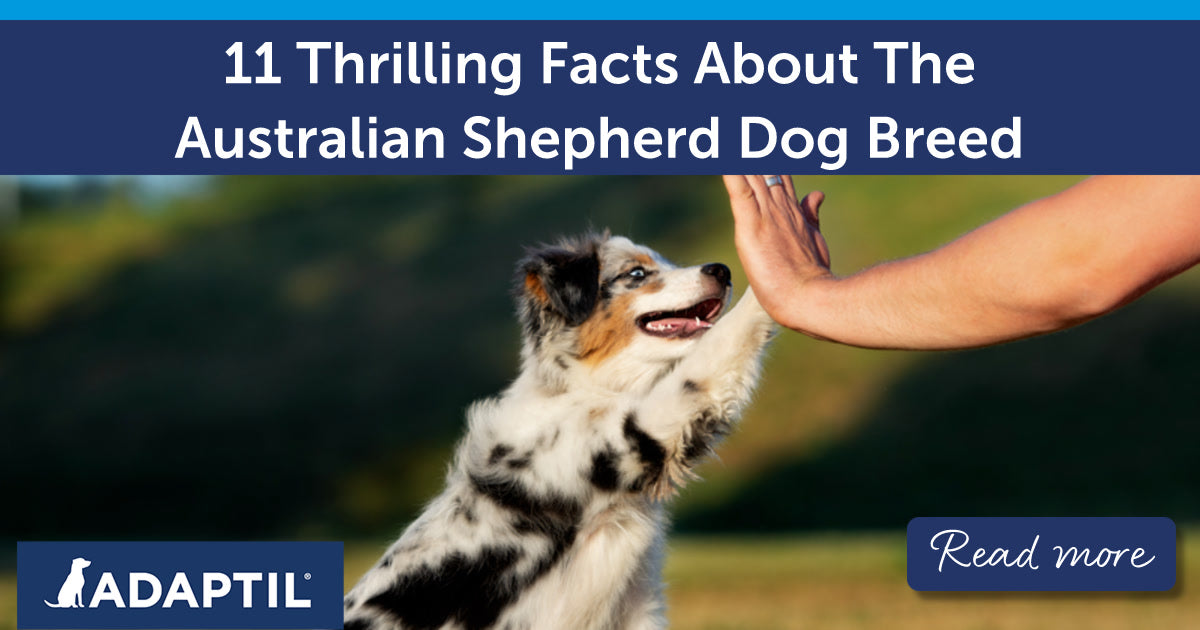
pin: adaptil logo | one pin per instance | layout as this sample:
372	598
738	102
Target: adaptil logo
71	593
145	589
179	585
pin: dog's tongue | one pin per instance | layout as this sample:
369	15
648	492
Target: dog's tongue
682	326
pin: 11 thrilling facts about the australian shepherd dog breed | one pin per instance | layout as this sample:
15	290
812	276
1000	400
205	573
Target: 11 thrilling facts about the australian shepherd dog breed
552	516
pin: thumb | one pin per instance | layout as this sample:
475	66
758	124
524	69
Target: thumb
810	206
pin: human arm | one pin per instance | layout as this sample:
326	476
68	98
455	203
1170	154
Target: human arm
1045	266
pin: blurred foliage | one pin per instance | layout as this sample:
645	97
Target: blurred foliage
72	194
282	356
292	356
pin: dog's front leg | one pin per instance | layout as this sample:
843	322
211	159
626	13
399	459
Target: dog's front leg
698	402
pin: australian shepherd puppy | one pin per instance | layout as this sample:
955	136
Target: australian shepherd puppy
552	516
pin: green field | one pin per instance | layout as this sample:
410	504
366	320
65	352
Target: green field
837	581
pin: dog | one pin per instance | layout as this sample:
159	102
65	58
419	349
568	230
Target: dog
71	593
552	516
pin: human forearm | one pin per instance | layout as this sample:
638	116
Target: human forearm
915	304
1043	267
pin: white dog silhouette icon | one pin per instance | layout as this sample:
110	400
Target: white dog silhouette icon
71	593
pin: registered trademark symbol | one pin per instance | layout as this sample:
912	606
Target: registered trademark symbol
308	576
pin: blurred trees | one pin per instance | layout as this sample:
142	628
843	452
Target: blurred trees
282	356
292	356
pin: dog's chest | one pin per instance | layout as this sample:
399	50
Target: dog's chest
615	560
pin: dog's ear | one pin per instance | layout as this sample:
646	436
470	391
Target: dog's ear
565	280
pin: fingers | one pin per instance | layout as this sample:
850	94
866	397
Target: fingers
789	185
786	207
779	192
783	192
758	183
741	185
745	207
751	197
736	185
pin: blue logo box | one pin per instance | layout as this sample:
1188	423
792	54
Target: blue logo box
179	585
1041	554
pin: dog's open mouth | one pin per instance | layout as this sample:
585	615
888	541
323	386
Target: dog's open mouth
682	324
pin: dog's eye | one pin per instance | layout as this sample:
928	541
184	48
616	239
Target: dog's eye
636	272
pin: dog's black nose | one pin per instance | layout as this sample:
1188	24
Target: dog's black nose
718	271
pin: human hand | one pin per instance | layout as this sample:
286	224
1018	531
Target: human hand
778	239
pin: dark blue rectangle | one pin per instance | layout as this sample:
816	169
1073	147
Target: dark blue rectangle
116	96
90	585
1041	554
614	9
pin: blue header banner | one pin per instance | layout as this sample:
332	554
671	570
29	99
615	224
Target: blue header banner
1041	554
464	97
179	585
619	9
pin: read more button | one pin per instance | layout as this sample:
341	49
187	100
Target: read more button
1041	554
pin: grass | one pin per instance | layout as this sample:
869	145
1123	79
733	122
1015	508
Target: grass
857	581
845	581
8	601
